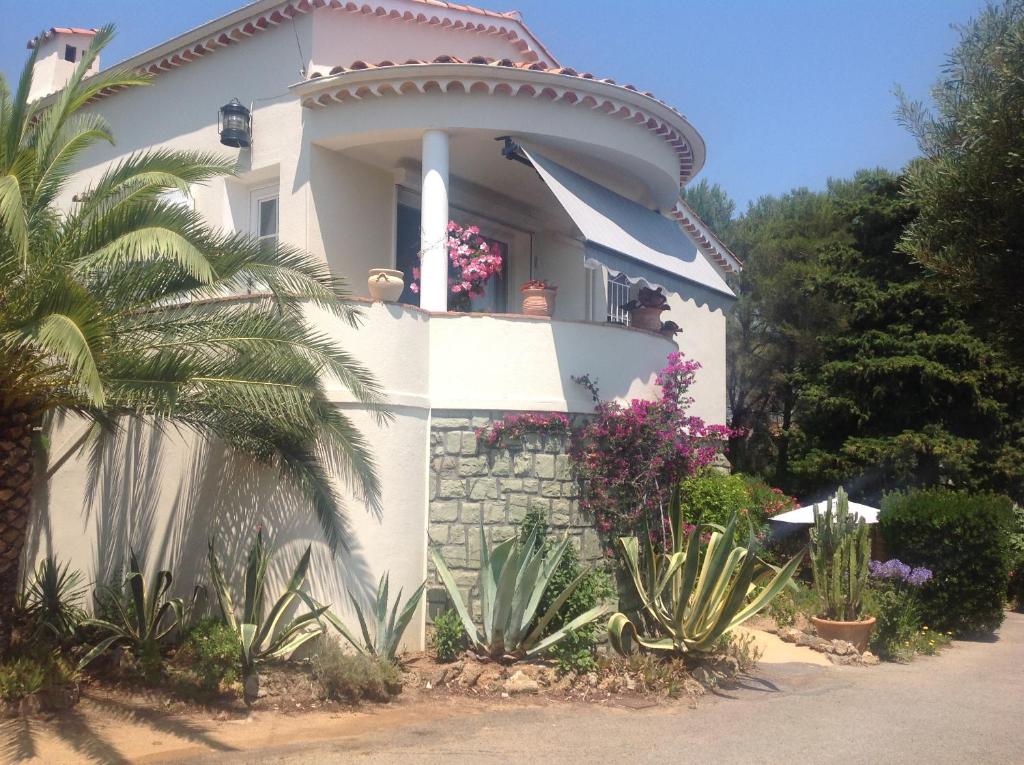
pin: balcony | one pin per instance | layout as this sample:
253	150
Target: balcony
498	361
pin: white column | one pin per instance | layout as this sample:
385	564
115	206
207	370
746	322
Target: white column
434	222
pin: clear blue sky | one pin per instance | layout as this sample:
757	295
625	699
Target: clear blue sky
785	92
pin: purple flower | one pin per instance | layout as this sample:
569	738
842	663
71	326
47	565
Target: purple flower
897	570
919	576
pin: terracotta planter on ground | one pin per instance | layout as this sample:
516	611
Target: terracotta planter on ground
858	633
385	284
646	318
539	302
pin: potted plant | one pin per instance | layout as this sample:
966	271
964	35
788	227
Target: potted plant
645	311
539	298
386	284
472	261
841	555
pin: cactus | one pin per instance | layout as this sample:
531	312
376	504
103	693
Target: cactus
840	553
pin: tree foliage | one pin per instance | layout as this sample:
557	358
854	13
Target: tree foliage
850	365
711	202
969	184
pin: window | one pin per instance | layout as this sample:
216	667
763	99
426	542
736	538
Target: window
70	53
266	220
618	294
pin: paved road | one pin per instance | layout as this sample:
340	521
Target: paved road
966	706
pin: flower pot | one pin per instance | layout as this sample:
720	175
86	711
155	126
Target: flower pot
386	284
539	302
646	318
857	633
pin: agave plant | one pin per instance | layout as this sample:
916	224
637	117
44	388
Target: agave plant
694	599
841	557
144	617
387	630
259	636
52	600
513	578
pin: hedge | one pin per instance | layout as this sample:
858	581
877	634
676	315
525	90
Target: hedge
964	539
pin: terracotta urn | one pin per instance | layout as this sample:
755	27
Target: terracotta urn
858	633
386	284
646	318
539	301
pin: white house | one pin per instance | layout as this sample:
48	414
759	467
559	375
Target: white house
373	125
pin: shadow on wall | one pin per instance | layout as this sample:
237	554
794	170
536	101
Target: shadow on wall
166	494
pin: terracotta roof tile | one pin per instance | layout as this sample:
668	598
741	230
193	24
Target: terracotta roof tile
60	31
534	66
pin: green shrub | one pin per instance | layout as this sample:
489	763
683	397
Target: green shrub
25	675
898	619
52	600
711	496
964	540
577	651
794	601
1016	583
210	651
449	637
353	677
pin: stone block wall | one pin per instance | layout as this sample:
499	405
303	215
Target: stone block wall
470	481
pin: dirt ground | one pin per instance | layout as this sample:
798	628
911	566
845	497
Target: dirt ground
118	726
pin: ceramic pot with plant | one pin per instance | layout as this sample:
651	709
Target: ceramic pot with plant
385	284
645	312
539	298
841	555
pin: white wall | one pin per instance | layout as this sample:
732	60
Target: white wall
703	339
351	221
341	38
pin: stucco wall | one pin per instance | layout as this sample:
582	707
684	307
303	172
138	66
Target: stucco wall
340	38
167	495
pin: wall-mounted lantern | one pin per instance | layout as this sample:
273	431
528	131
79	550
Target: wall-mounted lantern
234	123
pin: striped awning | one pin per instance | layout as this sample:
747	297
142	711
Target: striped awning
626	237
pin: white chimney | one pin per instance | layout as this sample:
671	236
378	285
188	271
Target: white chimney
59	51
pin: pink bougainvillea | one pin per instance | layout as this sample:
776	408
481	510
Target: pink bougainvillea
514	426
472	260
631	455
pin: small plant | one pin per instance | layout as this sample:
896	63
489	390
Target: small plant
449	637
513	577
348	677
515	426
538	284
52	601
20	678
210	650
143	617
258	636
576	653
387	630
472	261
840	553
32	673
795	600
896	608
647	298
694	597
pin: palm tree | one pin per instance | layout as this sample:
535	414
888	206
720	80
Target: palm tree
127	305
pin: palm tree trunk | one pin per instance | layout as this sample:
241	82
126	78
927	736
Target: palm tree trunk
16	468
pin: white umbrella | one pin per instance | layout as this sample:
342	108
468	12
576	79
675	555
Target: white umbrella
805	515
